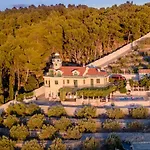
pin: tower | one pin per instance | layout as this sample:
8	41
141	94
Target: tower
56	60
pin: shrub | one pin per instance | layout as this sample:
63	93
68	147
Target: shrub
32	145
56	111
48	132
19	132
139	113
87	125
113	142
36	121
6	144
115	113
135	126
62	124
10	121
73	133
90	144
111	125
32	109
87	112
20	97
17	109
57	144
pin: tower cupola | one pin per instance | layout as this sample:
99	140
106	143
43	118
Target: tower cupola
56	60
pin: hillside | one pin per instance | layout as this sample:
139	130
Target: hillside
28	37
139	58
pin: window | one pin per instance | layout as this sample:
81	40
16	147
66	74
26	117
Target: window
46	82
97	80
63	81
75	73
67	81
49	83
56	82
75	83
92	82
83	81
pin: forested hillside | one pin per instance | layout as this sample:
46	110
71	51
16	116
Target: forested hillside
28	36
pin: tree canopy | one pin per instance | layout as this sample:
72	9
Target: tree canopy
81	34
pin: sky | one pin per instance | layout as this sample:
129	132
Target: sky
93	3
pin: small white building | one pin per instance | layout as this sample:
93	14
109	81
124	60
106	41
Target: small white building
72	76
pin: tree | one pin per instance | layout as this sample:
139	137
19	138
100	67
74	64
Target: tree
56	111
32	109
30	145
73	133
87	125
113	142
36	121
31	84
48	132
86	112
135	126
57	144
17	109
10	121
115	113
111	125
19	132
90	144
139	113
62	124
6	144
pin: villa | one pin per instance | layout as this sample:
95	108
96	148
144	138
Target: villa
72	76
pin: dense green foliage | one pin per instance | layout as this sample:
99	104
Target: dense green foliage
86	112
135	126
95	92
62	124
80	34
113	142
115	113
73	133
21	109
30	145
139	113
6	144
90	144
36	121
19	132
57	144
144	82
10	121
111	125
48	132
87	125
56	111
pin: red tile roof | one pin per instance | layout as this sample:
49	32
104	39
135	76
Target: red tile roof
95	71
144	70
67	71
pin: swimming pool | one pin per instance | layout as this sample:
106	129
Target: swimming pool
131	98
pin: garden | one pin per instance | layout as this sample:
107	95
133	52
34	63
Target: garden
24	126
